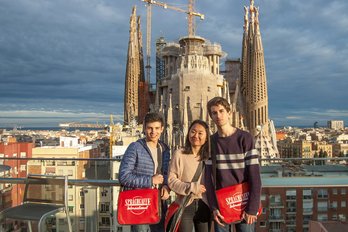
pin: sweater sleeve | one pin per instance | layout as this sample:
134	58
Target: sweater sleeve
175	174
208	180
253	177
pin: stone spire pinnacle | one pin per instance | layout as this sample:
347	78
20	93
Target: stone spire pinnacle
254	86
133	73
169	128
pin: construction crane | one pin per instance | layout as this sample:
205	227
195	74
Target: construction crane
112	139
191	26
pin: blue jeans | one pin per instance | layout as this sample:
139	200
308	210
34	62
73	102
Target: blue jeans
152	228
239	227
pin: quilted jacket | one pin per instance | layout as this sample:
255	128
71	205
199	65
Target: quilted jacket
137	165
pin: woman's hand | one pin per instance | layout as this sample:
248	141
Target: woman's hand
202	189
165	192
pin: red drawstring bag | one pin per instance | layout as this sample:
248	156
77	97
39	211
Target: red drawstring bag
139	206
168	221
232	201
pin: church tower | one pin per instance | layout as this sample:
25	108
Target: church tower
254	85
135	97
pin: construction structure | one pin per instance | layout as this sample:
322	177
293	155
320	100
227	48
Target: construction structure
188	75
191	77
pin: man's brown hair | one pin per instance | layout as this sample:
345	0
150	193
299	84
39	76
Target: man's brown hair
153	117
218	101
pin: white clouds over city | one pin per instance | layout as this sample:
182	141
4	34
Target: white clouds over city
67	58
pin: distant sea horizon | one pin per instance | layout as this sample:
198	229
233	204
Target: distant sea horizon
48	128
57	128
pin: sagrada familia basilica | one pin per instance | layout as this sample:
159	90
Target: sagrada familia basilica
188	75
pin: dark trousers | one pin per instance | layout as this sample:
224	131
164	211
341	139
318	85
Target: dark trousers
196	215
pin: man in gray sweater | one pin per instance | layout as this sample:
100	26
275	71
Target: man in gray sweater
236	162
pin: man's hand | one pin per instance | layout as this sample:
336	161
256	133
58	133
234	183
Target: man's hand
218	217
249	219
157	179
165	192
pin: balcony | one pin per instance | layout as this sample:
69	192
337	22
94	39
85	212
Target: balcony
276	218
89	178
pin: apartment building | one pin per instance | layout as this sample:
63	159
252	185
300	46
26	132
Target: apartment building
12	195
290	203
69	148
335	124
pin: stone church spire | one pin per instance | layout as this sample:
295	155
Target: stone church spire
253	82
254	85
133	73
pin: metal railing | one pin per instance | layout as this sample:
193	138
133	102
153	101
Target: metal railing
97	166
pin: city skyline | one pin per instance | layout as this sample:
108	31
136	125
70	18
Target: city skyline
65	61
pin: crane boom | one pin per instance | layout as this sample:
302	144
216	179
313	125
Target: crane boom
189	11
148	43
191	26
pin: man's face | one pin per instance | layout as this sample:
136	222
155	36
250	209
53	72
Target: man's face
153	131
219	115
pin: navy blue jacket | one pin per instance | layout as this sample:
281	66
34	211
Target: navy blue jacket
137	165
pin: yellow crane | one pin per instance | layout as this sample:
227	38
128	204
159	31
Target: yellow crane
191	26
112	131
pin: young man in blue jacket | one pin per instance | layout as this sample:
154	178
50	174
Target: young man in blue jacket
140	167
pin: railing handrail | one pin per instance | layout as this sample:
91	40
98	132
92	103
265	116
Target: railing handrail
65	159
118	159
76	182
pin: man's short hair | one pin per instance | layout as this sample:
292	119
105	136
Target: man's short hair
218	101
153	117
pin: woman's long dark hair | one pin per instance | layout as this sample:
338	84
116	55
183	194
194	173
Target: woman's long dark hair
204	151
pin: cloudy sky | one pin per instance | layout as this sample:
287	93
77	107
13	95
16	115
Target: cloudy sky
65	60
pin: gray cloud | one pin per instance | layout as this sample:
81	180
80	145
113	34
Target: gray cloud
70	55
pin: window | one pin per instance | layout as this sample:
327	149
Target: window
70	172
291	194
104	207
23	167
343	191
70	197
322	217
23	154
105	221
263	197
333	205
82	206
307	194
71	209
275	199
307	207
322	194
14	155
334	191
343	204
322	206
262	224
